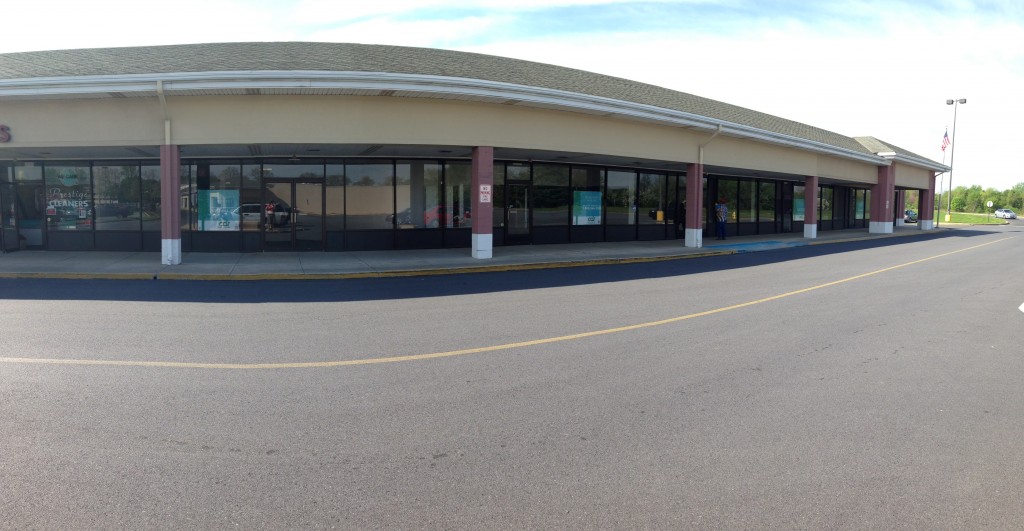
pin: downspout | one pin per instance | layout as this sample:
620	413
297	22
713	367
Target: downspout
700	149
163	107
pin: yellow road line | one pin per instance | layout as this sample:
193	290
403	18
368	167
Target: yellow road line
476	350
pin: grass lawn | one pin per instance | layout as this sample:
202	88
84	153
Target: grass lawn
975	219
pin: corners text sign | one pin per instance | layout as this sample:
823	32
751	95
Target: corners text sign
5	134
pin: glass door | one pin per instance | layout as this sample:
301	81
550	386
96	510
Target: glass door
30	208
517	229
308	216
293	216
278	198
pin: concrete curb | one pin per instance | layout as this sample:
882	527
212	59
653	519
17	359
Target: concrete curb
558	264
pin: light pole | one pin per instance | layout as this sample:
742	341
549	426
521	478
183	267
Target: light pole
952	154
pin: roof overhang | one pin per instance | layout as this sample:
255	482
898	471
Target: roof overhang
395	85
916	162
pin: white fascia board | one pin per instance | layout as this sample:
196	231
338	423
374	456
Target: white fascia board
915	161
145	84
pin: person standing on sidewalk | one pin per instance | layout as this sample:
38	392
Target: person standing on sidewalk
721	216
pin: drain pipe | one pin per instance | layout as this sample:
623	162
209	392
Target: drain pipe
163	107
700	149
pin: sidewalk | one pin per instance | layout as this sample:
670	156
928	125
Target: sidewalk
365	264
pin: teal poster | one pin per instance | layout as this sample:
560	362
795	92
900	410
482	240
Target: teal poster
586	208
218	210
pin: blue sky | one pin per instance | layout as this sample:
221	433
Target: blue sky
864	67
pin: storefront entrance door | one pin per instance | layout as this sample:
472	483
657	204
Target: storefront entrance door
517	227
293	216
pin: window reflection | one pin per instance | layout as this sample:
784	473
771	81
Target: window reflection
620	206
117	190
652	203
826	203
149	206
766	198
746	207
335	190
551	195
369	196
458	200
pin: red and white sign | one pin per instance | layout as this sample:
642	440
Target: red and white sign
485	193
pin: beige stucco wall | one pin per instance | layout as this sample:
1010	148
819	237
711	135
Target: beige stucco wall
94	122
911	177
391	120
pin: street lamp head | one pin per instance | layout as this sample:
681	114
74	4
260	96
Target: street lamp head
949	102
963	100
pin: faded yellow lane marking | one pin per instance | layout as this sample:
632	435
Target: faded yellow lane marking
476	350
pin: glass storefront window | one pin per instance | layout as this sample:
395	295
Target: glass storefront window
727	189
798	202
69	203
187	197
587	195
676	199
288	170
457	182
28	173
118	190
252	208
517	171
498	214
369	196
217	197
335	190
826	203
746	206
651	199
766	201
418	196
859	208
620	204
149	207
867	204
551	195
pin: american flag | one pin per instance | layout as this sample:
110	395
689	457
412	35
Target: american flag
945	140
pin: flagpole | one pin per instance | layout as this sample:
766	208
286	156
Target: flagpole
942	180
952	152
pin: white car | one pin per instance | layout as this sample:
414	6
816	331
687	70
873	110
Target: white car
1006	213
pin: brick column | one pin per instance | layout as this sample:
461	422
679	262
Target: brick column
811	207
901	207
694	235
881	201
170	209
926	206
483	202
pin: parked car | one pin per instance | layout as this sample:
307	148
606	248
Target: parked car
910	216
403	218
1006	213
439	215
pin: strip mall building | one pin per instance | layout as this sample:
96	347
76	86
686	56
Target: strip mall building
251	147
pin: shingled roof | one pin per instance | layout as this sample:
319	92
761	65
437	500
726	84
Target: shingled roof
364	58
